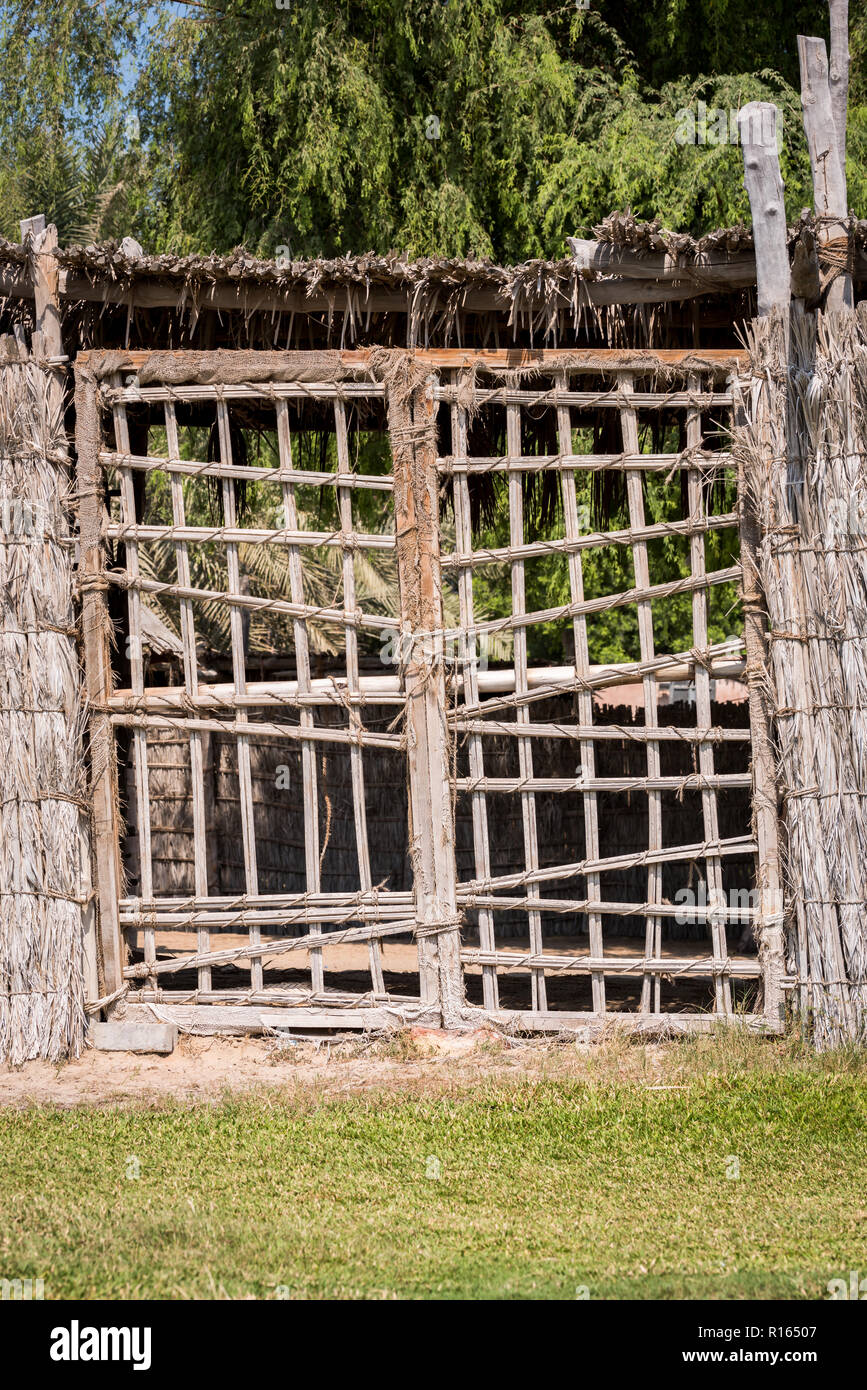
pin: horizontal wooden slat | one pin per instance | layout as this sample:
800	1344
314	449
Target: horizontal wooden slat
544	681
150	463
376	900
671	854
252	602
612	908
272	390
260	729
601	733
217	1018
707	463
688	584
589	400
591	540
250	535
690	782
617	1022
699	967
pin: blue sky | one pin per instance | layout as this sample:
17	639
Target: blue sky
130	71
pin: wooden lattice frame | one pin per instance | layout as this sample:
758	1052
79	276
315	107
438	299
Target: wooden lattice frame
691	386
431	720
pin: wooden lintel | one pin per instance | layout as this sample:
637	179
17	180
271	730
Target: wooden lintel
581	359
252	298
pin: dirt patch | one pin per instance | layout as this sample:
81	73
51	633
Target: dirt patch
208	1069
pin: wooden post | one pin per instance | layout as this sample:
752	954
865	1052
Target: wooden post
769	929
829	186
432	832
45	275
758	124
97	661
838	77
764	185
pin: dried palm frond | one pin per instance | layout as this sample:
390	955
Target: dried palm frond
43	836
803	448
267	568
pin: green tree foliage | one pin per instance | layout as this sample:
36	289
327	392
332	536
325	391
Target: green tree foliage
612	634
433	127
454	127
67	148
675	37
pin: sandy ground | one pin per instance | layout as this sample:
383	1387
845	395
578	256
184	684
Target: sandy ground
208	1069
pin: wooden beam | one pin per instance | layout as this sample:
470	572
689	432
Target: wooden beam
605	1026
758	124
249	299
715	271
829	188
629	284
144	293
208	1019
582	359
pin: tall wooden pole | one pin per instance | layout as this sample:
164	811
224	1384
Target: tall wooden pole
431	813
829	185
758	128
838	76
758	124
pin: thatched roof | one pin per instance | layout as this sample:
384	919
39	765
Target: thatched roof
627	271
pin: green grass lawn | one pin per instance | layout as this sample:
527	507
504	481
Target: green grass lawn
545	1185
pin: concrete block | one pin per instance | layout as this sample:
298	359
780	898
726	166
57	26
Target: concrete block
134	1037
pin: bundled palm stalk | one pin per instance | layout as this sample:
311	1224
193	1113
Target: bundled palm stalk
802	446
42	900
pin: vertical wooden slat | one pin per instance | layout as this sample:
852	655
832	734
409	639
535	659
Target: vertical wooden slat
239	678
585	697
469	669
309	779
710	813
522	713
356	756
136	661
650	987
191	686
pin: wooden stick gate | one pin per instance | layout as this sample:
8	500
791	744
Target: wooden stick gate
439	710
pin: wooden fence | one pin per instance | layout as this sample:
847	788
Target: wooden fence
378	954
